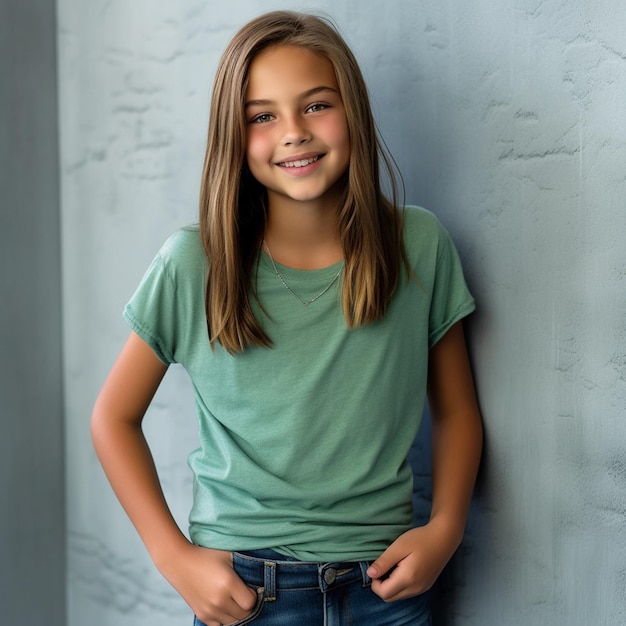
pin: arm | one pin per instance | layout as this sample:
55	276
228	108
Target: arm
203	577
420	554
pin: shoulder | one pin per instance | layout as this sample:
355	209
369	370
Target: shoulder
183	249
422	229
185	242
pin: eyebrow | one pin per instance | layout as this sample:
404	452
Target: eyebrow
302	96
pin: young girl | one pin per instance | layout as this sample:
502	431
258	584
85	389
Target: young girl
311	315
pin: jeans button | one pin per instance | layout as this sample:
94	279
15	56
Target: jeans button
330	575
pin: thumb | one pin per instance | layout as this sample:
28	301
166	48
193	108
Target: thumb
385	562
247	601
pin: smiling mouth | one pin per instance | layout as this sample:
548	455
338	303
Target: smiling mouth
301	162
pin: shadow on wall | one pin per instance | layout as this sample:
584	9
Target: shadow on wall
446	594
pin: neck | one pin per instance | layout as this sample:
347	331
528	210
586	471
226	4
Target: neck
303	237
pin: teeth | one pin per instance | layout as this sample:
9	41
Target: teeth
300	163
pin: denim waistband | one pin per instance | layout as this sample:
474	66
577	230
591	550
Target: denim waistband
273	571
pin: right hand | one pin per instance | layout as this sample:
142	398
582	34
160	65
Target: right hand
206	580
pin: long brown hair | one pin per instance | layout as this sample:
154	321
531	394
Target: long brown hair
232	202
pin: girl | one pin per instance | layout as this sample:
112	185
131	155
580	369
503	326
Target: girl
311	315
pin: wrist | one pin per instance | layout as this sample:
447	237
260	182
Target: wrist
450	530
165	552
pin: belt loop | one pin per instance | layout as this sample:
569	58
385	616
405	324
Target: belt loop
364	565
269	581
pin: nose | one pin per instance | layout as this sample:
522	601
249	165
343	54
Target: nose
296	132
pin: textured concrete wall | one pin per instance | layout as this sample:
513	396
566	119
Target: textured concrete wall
32	506
507	119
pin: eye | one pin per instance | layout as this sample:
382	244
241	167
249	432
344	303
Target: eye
318	106
263	118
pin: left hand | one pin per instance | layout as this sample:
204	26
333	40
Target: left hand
415	560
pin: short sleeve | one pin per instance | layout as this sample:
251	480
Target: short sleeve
151	310
451	298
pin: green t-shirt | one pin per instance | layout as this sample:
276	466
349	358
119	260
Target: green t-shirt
304	445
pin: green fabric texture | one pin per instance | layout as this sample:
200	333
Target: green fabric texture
304	445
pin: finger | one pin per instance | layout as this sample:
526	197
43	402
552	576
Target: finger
241	604
390	588
245	597
227	615
388	591
383	565
233	608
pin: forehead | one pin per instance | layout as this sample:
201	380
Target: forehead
288	69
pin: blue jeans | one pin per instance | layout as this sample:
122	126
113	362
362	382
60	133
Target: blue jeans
319	594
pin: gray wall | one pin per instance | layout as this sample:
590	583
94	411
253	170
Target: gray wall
507	120
32	507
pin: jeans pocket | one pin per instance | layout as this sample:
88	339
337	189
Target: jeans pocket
256	611
258	607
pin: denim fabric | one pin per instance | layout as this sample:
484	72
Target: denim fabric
319	594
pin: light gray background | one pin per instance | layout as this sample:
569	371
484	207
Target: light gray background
507	119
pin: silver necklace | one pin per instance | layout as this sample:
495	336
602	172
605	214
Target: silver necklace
290	290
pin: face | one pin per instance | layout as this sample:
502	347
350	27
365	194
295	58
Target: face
298	144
